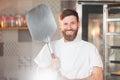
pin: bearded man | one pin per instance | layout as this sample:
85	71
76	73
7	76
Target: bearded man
78	59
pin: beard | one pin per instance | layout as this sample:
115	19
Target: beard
70	37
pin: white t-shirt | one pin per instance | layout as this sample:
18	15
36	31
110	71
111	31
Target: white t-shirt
77	58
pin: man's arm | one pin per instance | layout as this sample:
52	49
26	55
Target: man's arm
97	74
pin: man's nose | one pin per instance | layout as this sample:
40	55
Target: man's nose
69	26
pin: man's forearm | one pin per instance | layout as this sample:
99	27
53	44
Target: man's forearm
92	77
96	75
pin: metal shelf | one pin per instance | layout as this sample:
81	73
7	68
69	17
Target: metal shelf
107	49
112	33
113	19
115	47
114	74
115	61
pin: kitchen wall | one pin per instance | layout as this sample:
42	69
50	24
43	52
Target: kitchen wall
18	51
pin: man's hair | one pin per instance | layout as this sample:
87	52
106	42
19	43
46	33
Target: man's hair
68	12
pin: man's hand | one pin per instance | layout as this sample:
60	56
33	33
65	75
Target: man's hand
62	78
55	63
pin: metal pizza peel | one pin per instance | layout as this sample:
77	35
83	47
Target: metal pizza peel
41	23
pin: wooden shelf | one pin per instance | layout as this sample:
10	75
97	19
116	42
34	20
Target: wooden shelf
14	28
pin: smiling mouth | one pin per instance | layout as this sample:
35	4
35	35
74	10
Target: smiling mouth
69	32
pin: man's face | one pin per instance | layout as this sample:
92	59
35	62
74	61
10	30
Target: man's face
69	27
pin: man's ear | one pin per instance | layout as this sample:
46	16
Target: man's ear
78	24
60	24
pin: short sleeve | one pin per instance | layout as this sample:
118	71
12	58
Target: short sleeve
95	58
43	59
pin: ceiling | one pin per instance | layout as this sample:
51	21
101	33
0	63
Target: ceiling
110	3
99	1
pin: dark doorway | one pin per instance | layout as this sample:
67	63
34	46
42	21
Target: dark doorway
89	9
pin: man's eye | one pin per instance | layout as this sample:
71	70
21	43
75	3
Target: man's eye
72	23
65	23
